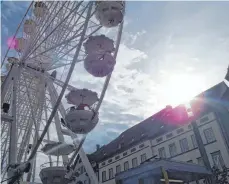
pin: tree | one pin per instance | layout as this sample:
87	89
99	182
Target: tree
221	176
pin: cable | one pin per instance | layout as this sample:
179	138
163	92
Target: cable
10	179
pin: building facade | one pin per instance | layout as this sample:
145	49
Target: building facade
154	138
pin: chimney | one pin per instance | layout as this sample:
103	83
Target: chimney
97	147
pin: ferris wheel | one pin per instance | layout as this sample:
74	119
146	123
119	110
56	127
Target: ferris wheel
41	135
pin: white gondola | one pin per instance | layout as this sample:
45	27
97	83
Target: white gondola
40	9
99	65
13	60
76	97
53	174
58	149
29	26
20	46
110	13
99	44
81	121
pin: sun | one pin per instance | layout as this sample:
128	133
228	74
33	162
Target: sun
181	88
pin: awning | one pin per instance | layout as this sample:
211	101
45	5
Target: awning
176	170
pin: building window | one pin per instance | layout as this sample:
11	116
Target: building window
172	149
204	119
161	152
217	159
126	165
194	143
120	145
104	178
124	154
209	135
169	135
111	175
189	161
133	149
81	170
118	169
184	145
109	161
134	162
180	130
143	158
117	157
140	181
141	146
159	139
200	161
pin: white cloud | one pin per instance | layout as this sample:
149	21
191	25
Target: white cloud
5	29
187	39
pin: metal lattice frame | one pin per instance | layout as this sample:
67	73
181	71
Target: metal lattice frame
35	101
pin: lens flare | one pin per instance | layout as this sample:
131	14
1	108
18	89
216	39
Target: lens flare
12	42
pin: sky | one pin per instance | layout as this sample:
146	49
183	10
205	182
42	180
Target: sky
170	52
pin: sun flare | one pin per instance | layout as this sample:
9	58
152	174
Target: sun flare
181	88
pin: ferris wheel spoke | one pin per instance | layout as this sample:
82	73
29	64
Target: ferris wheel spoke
76	32
41	30
64	43
66	26
53	47
34	35
86	37
31	116
48	132
55	28
32	111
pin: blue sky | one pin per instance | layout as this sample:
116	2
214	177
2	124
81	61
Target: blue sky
170	52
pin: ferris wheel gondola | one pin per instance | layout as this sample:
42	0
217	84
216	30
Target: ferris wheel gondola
58	149
110	13
20	44
40	9
99	44
29	26
79	96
